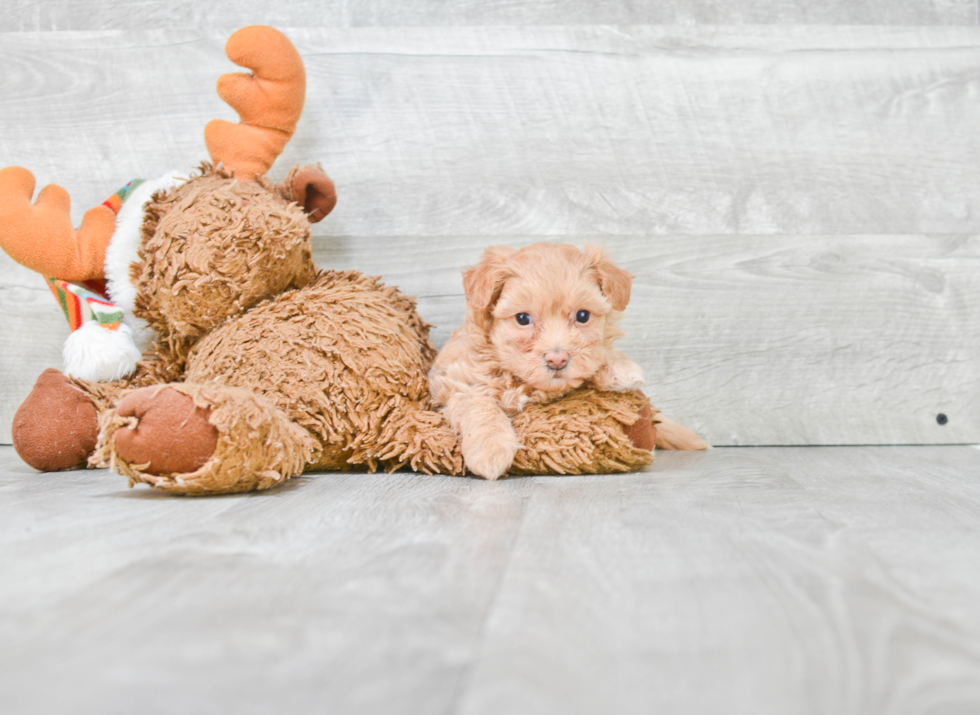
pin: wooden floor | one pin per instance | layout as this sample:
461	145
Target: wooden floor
742	580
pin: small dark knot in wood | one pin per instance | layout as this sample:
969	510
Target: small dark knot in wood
942	418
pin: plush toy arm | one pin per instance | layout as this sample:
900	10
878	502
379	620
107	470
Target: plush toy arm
585	432
40	235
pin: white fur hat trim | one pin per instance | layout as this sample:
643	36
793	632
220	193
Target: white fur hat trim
100	355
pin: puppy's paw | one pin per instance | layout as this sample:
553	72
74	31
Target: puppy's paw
489	457
514	400
619	376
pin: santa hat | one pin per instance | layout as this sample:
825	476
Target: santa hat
107	340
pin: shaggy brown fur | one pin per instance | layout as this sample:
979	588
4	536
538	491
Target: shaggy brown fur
586	432
363	347
258	447
209	248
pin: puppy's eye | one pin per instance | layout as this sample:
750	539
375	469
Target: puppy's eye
582	316
523	319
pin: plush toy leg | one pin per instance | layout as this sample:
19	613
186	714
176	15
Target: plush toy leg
643	433
171	434
197	439
57	426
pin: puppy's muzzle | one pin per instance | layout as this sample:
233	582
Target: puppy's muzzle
556	359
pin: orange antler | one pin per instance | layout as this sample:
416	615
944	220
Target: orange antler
40	235
269	102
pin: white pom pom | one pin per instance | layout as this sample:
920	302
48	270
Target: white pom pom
100	355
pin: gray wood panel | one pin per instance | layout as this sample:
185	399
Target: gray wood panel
40	15
749	340
545	131
30	337
766	581
799	203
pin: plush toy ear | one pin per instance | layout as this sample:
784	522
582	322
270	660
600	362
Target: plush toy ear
312	190
614	282
483	282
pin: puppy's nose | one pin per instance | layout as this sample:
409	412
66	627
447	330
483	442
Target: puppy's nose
556	359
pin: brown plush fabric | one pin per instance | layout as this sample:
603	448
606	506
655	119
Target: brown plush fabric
314	191
57	426
40	235
345	358
214	247
257	447
585	432
102	394
643	433
164	362
171	434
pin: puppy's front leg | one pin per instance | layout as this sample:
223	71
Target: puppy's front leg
487	438
620	374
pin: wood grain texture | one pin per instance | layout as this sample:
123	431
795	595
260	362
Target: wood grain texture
545	131
745	595
775	581
799	204
32	15
30	339
312	599
749	340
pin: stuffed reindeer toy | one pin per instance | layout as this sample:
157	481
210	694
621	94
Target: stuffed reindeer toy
208	353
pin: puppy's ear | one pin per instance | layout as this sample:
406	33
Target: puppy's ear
614	282
483	282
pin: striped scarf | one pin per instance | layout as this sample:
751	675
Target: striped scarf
88	300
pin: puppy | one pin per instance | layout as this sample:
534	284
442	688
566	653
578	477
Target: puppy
540	322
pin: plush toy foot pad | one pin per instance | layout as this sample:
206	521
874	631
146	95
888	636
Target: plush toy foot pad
57	426
643	433
172	435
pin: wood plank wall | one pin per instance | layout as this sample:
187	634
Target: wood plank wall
795	186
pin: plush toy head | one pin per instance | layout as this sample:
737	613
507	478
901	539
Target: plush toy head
227	239
182	256
214	247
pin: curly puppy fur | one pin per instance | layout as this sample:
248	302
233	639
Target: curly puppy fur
540	322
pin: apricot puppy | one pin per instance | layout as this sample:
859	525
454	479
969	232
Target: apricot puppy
540	322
